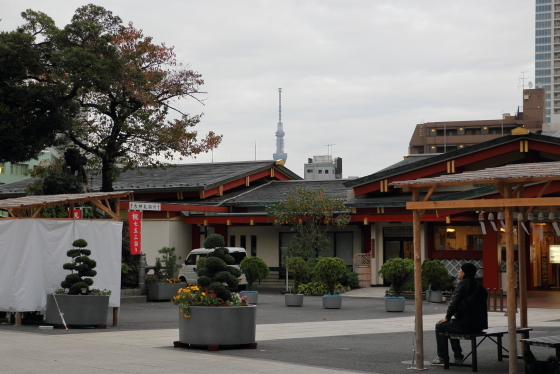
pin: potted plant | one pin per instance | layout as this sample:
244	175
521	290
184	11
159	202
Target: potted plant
210	313
301	271
255	269
163	285
397	271
76	303
436	278
330	270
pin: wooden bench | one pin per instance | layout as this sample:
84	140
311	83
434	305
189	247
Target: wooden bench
493	333
544	341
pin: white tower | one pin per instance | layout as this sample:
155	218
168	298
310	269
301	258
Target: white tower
280	132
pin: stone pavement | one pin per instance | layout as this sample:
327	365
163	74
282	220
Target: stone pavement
151	351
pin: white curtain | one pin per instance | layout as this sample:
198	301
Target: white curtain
32	252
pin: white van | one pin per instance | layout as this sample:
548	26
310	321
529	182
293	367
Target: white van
188	270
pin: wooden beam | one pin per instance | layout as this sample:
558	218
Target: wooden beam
118	206
484	203
105	209
430	192
500	188
518	188
545	187
37	211
511	296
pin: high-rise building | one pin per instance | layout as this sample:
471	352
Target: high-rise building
547	58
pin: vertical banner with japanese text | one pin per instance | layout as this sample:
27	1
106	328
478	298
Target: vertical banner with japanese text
135	228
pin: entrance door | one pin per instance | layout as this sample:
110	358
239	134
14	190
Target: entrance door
397	243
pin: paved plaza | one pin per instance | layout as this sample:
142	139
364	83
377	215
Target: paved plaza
359	338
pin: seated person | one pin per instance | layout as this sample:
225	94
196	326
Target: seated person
466	313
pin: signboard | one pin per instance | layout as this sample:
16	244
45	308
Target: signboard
555	254
77	213
135	228
143	206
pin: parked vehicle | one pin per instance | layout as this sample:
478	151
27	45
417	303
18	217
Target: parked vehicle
188	269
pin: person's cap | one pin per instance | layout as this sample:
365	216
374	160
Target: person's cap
469	270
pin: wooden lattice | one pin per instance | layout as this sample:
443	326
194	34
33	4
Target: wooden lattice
362	259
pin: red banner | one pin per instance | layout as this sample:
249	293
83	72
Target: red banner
77	213
135	228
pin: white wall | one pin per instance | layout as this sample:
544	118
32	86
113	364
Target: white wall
158	233
268	237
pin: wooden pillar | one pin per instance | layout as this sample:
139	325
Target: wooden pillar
115	316
416	218
490	258
511	297
17	319
523	322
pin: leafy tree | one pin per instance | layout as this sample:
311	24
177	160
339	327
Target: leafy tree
113	90
255	269
53	179
310	214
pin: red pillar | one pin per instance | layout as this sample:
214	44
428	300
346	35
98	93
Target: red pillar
366	235
491	273
195	240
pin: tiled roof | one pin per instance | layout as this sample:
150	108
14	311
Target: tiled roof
530	172
31	201
185	177
401	168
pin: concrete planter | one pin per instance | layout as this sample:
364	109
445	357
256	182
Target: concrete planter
232	325
251	296
163	291
394	304
293	299
332	301
83	310
436	297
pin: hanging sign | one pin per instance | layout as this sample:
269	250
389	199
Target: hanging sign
77	213
135	228
143	206
554	254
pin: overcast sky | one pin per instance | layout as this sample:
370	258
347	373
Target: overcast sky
357	74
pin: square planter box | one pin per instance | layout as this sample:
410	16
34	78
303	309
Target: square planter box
163	291
293	299
233	325
82	310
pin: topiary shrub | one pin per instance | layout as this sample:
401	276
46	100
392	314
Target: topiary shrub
350	279
216	271
167	265
398	271
255	269
214	241
300	270
330	270
435	275
82	266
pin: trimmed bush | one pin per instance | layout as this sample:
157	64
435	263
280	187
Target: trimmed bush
81	266
330	270
255	269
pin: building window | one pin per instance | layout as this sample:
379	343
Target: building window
319	171
458	238
18	169
432	149
544	8
484	130
310	170
243	241
326	171
253	245
472	131
432	132
542	40
543	24
540	73
451	132
232	240
544	1
543	80
543	48
543	16
461	131
543	56
543	64
543	32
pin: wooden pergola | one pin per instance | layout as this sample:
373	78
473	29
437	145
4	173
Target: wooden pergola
31	206
509	181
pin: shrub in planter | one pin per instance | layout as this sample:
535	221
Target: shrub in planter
300	270
398	271
435	276
82	266
217	269
330	270
255	269
167	265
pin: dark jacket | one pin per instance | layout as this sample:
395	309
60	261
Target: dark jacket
468	305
